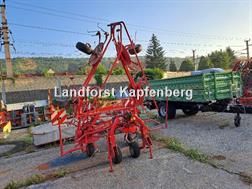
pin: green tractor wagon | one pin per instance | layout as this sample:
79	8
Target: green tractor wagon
216	92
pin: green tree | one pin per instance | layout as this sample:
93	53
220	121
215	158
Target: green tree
222	59
231	55
205	63
186	65
155	55
173	67
98	79
100	71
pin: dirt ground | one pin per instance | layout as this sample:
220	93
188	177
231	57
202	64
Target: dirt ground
213	134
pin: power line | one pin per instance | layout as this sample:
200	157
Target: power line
46	54
52	14
145	41
95	20
47	28
44	43
65	12
80	33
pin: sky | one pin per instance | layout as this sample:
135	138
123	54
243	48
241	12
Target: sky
180	25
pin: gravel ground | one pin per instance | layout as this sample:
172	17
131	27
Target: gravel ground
166	170
215	134
6	148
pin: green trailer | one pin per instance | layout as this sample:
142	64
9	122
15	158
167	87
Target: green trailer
209	92
205	88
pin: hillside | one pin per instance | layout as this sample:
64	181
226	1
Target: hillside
38	65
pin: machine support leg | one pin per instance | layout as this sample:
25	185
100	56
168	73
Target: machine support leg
61	141
112	142
110	155
145	135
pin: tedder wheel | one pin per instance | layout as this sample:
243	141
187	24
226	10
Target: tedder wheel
134	149
138	49
86	48
118	155
90	149
237	120
171	110
191	111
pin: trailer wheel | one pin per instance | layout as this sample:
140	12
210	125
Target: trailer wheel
90	149
118	155
134	149
171	110
237	120
191	111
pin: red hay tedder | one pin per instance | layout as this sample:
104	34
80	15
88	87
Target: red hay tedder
95	119
245	67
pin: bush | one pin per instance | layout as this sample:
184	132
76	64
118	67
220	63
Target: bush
101	69
151	74
81	71
98	79
118	71
186	66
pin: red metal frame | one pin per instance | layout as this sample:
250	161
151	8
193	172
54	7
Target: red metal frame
92	119
245	67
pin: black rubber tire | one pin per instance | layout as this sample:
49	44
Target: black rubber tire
134	150
138	49
171	110
190	111
118	155
86	48
90	149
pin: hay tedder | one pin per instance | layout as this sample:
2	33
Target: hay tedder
245	67
95	119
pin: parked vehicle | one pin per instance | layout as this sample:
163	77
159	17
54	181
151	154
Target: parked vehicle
215	92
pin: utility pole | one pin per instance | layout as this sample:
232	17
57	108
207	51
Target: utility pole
194	59
247	48
6	43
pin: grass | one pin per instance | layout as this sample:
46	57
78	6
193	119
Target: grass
29	130
35	179
2	141
246	178
27	140
24	143
175	145
224	124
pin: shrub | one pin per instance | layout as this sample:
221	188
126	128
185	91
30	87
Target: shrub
118	71
151	74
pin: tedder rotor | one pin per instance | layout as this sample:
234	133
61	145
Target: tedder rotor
95	119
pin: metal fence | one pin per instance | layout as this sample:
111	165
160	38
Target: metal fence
24	90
